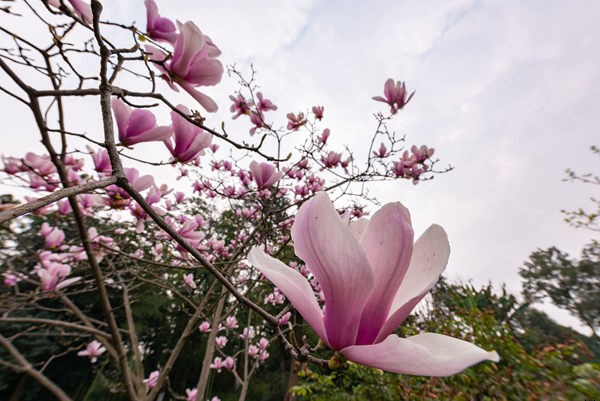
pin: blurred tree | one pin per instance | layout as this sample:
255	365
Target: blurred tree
570	284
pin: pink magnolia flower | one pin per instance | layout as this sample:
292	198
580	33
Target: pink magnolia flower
264	174
190	140
295	121
318	112
83	10
229	363
52	274
188	279
264	104
253	351
11	279
231	322
221	341
381	152
372	276
240	105
395	95
137	125
93	351
191	394
101	160
151	381
217	364
53	236
193	63
283	320
80	8
263	343
332	159
204	327
158	27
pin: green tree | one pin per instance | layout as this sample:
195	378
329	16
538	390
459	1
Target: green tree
568	283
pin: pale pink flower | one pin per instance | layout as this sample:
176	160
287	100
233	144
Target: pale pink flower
253	351
193	63
229	363
204	327
191	394
53	236
188	279
217	364
52	275
263	343
158	27
372	276
151	381
93	351
221	341
263	356
264	174
190	140
137	125
231	322
395	95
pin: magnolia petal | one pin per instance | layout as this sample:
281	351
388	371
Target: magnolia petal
139	122
294	286
358	227
122	112
189	42
155	134
205	72
425	354
429	259
205	101
388	244
332	254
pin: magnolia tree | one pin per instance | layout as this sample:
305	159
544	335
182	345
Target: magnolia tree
104	263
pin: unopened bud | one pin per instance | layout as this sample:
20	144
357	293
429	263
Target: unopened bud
334	362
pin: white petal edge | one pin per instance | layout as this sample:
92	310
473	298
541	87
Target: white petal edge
426	354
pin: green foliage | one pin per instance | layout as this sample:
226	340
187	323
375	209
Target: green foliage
570	284
549	372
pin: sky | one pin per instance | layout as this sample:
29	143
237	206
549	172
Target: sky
506	92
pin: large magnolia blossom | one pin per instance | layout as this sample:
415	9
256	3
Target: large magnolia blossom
372	276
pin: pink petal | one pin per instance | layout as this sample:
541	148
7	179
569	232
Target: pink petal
389	89
83	10
388	243
338	262
294	286
205	101
189	42
425	354
155	134
429	259
358	227
205	72
122	112
139	122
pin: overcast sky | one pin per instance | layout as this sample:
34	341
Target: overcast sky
506	91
